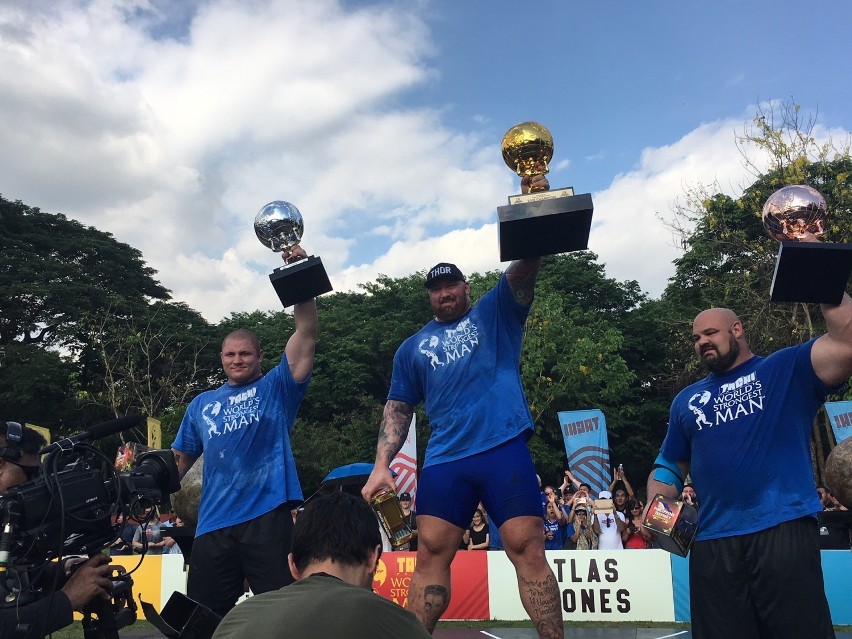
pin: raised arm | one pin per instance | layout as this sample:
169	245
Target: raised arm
573	479
522	274
630	492
302	343
393	430
831	355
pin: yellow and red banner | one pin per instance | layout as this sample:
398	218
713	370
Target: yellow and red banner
468	583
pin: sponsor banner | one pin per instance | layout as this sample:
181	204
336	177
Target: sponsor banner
594	585
840	416
587	447
468	583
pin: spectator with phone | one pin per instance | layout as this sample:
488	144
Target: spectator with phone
586	529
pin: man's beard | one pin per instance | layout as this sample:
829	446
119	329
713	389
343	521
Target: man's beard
722	363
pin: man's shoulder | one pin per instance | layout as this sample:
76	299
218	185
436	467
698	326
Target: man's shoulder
786	352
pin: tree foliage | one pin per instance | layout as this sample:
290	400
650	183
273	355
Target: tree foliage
153	362
55	271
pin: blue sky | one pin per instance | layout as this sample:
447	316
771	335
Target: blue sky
170	124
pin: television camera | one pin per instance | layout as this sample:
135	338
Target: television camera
70	509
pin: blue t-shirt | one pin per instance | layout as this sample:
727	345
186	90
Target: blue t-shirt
558	535
746	434
244	433
468	373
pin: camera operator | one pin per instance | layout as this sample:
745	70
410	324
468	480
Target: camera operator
82	580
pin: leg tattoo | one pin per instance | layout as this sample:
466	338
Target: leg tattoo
435	602
542	604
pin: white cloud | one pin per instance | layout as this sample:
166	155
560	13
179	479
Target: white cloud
174	143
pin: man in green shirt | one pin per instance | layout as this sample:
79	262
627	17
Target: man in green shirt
336	549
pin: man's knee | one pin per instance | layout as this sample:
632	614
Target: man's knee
523	540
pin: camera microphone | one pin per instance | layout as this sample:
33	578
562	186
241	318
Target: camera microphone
97	431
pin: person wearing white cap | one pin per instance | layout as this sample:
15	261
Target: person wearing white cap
611	522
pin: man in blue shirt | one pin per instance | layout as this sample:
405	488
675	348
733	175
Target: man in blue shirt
249	477
743	435
465	366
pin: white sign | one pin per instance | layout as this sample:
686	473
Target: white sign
594	585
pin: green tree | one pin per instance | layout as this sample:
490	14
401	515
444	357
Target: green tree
578	355
35	385
152	362
54	271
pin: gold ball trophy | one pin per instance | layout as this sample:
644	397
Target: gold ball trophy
810	272
543	222
279	226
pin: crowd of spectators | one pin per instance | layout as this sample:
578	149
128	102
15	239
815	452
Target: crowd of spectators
144	534
574	519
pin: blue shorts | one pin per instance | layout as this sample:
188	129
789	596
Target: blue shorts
502	478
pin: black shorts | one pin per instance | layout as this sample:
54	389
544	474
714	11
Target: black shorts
766	584
223	559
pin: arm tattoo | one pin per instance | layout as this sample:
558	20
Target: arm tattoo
394	428
521	276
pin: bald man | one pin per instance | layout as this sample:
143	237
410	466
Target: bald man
743	435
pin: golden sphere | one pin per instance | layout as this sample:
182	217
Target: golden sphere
527	148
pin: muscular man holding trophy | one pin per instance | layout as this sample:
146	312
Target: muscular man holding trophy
743	435
243	428
464	365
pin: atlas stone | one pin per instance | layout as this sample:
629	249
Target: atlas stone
186	500
838	472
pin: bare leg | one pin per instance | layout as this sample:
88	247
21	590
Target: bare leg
524	544
429	592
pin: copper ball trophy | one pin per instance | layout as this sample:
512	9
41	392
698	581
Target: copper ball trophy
810	272
543	222
279	226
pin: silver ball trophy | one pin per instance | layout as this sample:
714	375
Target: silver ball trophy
279	227
805	271
543	222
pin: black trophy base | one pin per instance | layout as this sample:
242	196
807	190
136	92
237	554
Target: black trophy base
300	281
545	227
811	272
182	618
